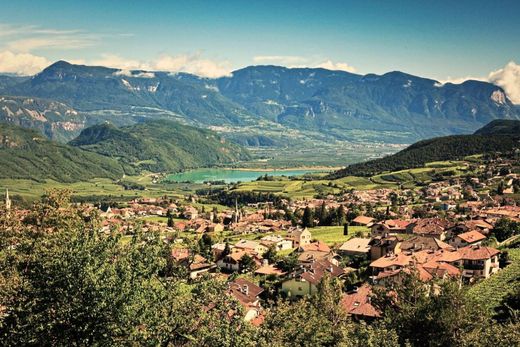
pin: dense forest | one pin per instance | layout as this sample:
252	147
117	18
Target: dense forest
62	283
26	154
159	146
497	136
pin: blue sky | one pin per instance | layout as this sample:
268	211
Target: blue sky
437	39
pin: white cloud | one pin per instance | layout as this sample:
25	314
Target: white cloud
509	79
190	63
140	74
22	63
293	61
459	80
329	65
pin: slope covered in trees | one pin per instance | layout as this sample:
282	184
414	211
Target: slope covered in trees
27	154
159	146
497	136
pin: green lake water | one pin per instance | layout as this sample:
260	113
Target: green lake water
229	176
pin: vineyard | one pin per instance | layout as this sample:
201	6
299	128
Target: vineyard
490	292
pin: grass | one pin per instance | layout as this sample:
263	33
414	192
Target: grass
490	292
334	234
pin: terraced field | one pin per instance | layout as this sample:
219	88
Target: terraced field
490	292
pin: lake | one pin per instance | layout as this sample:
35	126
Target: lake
232	175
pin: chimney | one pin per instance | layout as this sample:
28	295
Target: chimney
245	289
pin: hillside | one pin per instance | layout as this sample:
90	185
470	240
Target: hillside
497	136
53	119
159	146
500	127
271	102
26	154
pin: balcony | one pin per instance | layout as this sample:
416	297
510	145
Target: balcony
474	267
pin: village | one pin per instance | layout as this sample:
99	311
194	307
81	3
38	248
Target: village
445	230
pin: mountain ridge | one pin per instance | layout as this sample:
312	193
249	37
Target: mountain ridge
392	107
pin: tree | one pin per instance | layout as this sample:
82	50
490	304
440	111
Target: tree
433	314
270	254
341	217
247	263
505	228
204	246
307	218
322	215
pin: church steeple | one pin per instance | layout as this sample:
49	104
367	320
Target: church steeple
7	200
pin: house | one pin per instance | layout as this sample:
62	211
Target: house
479	261
387	227
232	261
251	246
305	280
299	237
426	264
418	243
277	241
356	246
357	303
472	237
191	213
363	220
380	246
196	264
316	251
432	227
269	270
246	293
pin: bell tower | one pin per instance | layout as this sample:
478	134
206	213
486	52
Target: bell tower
7	200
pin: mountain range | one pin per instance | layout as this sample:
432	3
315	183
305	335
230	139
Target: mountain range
257	105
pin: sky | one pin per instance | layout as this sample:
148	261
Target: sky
443	40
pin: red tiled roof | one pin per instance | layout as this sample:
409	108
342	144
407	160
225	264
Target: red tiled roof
244	291
471	236
318	246
315	272
478	252
358	302
363	220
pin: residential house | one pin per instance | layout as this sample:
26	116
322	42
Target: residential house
363	220
356	246
246	293
419	243
299	237
389	227
251	246
432	227
357	303
277	241
468	238
305	280
381	246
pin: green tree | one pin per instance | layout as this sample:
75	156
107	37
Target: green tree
247	264
307	218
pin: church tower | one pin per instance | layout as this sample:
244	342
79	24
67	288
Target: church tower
7	200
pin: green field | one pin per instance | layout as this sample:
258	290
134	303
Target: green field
334	234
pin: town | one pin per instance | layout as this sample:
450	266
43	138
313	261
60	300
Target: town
462	229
